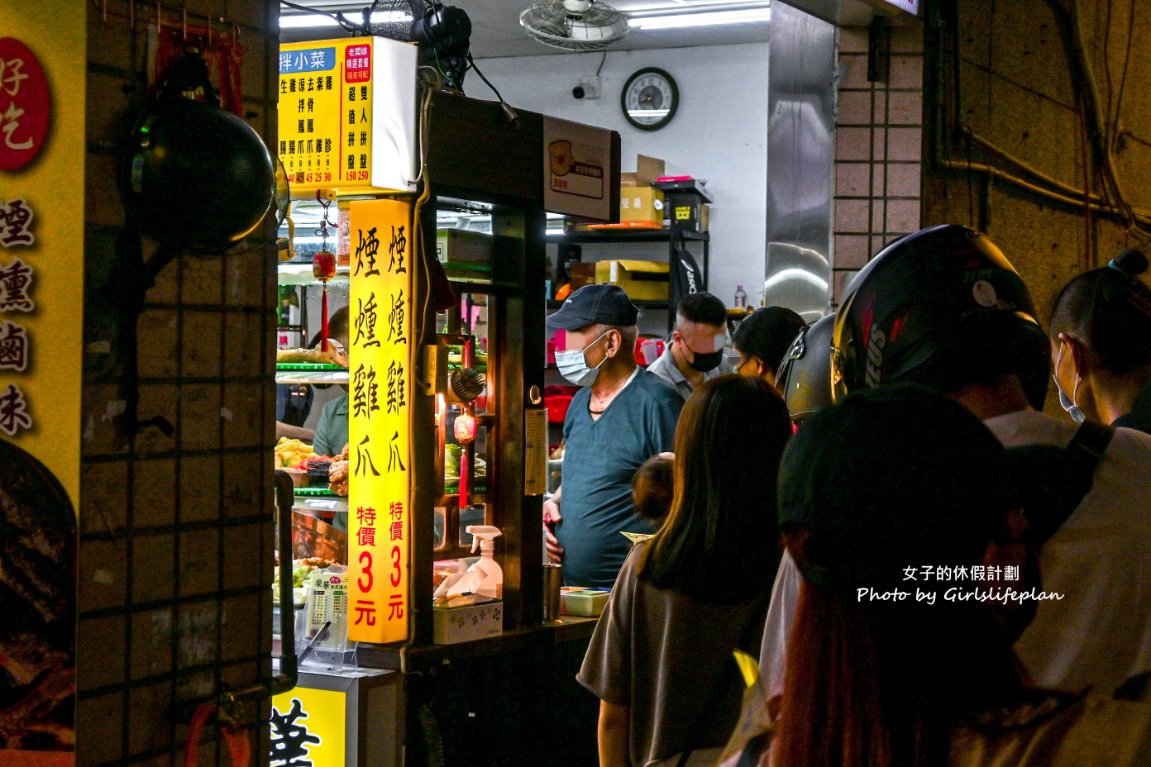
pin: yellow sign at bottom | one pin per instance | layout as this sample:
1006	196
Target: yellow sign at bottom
308	726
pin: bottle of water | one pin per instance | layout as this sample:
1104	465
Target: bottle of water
740	297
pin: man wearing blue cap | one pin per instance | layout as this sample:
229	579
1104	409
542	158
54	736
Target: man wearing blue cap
619	418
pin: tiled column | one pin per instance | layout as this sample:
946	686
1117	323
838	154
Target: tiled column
879	135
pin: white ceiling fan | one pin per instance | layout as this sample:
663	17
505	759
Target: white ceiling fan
574	25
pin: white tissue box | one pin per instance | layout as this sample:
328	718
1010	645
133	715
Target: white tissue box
451	625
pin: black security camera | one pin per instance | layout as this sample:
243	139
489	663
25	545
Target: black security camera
579	92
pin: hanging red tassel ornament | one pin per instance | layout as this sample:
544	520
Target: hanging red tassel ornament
324	269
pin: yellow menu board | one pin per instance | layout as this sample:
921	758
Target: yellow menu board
347	115
379	436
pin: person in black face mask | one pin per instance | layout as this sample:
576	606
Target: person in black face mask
696	347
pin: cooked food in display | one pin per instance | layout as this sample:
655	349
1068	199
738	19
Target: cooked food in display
291	452
37	633
338	473
301	569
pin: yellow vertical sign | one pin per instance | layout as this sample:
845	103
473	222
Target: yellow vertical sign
380	392
43	79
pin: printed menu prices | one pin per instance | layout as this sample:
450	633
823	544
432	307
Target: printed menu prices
347	114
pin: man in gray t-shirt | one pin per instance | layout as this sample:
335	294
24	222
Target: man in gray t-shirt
621	417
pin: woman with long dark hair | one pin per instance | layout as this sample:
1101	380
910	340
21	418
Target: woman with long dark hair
661	657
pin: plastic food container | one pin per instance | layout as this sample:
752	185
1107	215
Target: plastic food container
587	603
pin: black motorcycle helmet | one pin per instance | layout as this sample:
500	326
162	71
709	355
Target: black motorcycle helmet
942	307
196	175
804	373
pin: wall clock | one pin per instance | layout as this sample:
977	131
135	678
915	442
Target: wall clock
649	99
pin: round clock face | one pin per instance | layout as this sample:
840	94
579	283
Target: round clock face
649	99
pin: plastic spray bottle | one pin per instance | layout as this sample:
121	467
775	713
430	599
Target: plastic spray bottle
485	577
491	583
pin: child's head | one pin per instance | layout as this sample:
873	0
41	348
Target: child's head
652	486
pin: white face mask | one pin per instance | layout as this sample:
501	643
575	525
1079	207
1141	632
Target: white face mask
573	366
1065	402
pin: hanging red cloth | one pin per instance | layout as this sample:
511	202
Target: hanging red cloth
197	63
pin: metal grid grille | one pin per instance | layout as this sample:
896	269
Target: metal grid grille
176	530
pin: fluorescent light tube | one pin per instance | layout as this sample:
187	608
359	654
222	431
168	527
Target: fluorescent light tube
706	19
308	20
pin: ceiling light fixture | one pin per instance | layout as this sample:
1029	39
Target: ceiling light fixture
705	19
310	20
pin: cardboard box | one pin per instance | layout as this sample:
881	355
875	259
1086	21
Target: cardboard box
640	203
580	274
451	625
641	280
462	246
647	169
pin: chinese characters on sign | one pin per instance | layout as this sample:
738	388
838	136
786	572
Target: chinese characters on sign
15	224
25	105
15	300
308	728
578	172
348	114
290	737
326	113
380	430
43	76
